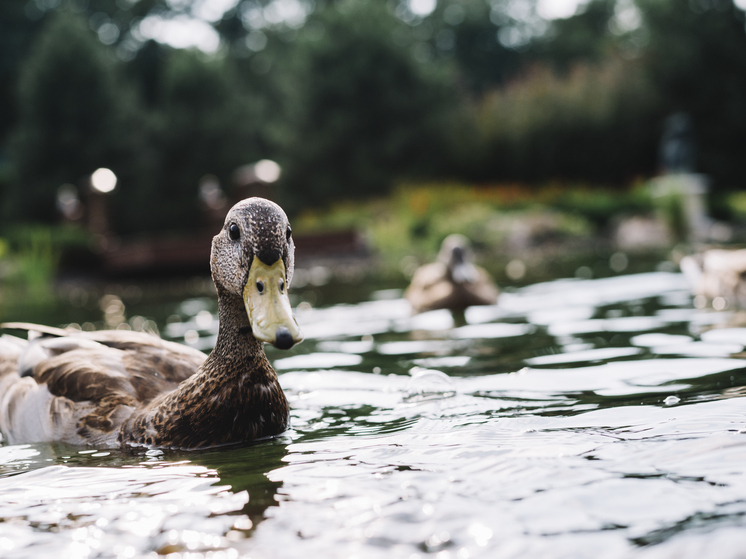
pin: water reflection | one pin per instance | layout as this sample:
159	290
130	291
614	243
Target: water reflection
82	511
128	504
576	418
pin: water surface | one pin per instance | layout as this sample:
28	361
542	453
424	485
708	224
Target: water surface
577	418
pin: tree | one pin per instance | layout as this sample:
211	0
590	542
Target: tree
364	113
697	59
581	38
74	116
204	122
592	124
16	33
21	23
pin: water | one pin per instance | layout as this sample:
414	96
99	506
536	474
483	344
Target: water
577	418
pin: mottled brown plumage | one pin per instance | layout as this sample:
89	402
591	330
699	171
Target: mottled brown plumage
452	282
126	388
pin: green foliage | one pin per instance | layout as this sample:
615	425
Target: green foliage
730	206
36	262
368	114
202	122
73	115
465	33
31	265
593	125
16	32
415	218
600	206
361	95
583	37
22	22
78	114
696	58
29	255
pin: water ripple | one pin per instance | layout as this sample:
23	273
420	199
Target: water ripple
427	435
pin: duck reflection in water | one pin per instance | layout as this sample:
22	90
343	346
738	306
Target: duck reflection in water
245	468
452	282
222	491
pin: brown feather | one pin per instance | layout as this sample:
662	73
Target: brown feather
120	387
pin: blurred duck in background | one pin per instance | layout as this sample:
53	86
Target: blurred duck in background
719	275
452	282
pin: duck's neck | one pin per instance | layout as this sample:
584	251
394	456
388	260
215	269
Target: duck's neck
235	347
233	397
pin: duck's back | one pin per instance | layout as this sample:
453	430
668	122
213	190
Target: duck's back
432	288
78	387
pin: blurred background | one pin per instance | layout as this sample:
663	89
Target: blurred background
544	130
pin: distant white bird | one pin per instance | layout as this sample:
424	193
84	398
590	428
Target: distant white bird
717	273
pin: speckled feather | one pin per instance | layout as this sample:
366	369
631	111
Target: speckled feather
434	286
127	388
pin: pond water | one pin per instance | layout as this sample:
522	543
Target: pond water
577	418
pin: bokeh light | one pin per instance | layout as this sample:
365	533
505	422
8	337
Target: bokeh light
267	170
103	180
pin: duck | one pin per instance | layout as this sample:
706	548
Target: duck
115	388
717	272
453	281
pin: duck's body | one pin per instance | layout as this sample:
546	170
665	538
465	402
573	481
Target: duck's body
717	273
114	388
452	282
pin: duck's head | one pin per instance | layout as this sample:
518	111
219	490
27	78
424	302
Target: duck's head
253	258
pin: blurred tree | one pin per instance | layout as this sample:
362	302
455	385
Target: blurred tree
696	56
21	22
203	123
594	124
351	95
364	112
581	38
146	70
74	116
467	33
16	33
77	114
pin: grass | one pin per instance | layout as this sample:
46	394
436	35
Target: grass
499	219
29	258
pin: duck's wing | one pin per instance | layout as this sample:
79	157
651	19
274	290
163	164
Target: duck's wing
79	387
485	290
151	354
11	349
36	328
429	287
62	396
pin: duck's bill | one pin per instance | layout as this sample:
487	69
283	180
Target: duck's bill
268	306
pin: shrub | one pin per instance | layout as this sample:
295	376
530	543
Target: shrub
73	117
591	125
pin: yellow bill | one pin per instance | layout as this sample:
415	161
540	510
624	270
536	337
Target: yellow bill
268	306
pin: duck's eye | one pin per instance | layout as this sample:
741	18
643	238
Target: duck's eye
288	233
234	231
260	286
282	286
